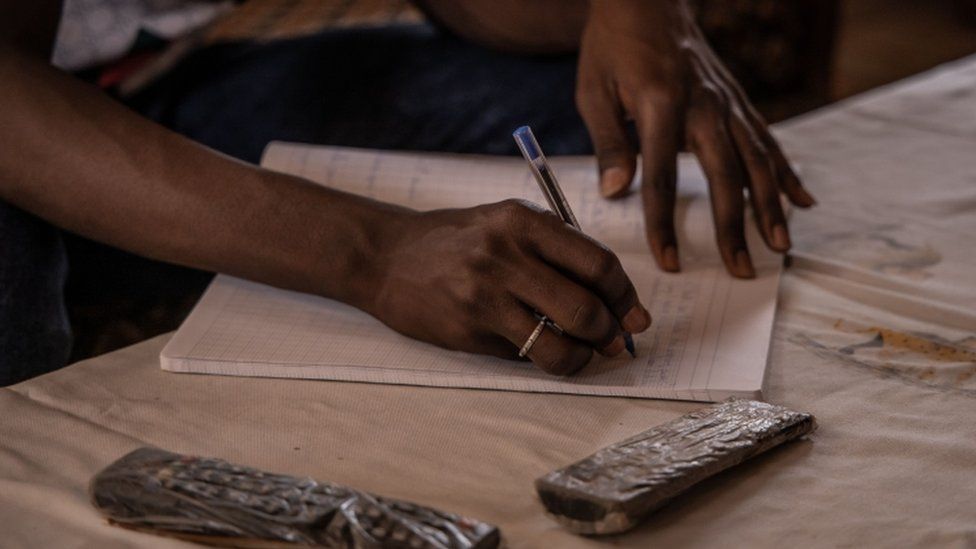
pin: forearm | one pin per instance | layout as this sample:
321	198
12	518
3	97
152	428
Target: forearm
85	163
522	26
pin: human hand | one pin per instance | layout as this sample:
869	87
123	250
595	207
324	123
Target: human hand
471	279
648	61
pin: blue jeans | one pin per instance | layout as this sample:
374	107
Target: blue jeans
408	88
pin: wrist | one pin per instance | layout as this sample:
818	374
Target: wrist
298	235
352	252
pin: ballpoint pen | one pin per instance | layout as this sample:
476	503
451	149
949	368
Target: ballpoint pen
552	191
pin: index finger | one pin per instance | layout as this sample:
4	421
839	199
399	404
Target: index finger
594	266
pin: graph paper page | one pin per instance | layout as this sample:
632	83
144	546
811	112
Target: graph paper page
709	337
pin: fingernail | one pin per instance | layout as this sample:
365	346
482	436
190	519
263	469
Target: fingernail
637	319
615	348
613	181
781	238
669	258
808	198
743	265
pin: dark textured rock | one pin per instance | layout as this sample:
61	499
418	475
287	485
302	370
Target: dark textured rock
213	501
610	491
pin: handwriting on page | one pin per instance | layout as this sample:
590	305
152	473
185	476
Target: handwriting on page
708	339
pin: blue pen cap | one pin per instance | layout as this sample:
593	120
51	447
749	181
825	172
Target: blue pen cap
527	143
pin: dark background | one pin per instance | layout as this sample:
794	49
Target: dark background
791	56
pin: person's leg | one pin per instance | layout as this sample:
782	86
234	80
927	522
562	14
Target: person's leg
34	334
408	87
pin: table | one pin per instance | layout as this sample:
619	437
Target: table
875	334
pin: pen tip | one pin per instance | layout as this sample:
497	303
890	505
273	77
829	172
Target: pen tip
629	344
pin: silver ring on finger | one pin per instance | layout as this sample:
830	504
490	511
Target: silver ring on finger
533	337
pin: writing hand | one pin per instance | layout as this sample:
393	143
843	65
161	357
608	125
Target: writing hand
648	61
471	279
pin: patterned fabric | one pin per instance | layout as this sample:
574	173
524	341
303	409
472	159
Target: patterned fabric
93	32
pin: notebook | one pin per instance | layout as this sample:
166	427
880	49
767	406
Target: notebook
710	334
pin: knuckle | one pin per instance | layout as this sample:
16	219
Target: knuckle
586	314
515	213
503	225
472	295
483	257
603	264
660	98
508	209
516	204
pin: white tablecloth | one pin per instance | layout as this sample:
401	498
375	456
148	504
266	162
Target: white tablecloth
875	335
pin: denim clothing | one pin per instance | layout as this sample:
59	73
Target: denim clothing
34	334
